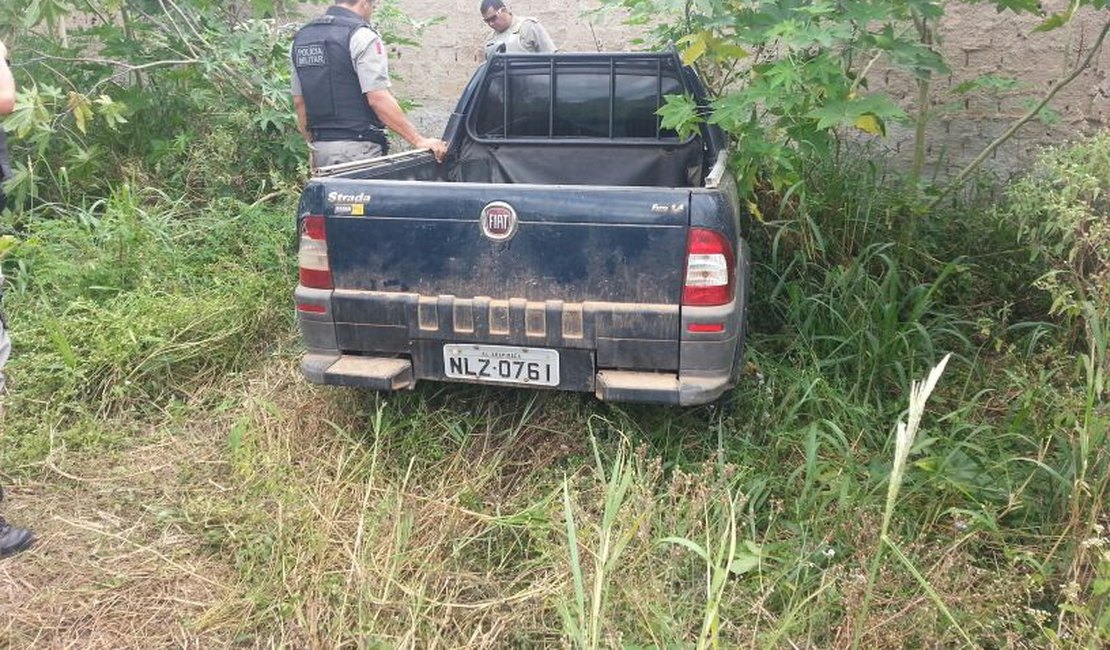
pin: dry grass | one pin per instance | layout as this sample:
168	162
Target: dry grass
108	569
304	517
304	532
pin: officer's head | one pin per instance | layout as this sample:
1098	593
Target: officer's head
361	7
496	14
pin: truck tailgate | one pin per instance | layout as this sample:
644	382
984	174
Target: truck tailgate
573	244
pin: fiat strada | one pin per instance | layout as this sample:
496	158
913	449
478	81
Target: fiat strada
569	241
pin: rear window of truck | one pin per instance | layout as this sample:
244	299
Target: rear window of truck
544	98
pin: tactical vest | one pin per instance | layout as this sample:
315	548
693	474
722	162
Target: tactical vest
333	98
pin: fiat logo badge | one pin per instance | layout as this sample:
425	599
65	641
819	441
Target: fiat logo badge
499	221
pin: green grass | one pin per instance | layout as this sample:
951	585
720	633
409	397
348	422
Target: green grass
156	378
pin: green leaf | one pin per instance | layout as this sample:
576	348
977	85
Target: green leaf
7	244
685	543
235	436
743	563
870	123
82	112
1101	586
848	112
729	51
987	82
1054	22
747	559
1018	6
696	45
680	112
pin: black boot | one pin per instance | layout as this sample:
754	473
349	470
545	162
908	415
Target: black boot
13	539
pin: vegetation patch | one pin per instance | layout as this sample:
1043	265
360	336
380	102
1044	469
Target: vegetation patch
189	488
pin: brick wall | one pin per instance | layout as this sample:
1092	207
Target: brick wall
977	40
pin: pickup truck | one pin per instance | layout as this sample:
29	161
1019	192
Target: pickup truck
568	241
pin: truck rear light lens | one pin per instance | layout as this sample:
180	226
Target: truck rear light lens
701	328
710	267
312	256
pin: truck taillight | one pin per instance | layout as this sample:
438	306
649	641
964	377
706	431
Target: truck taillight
710	268
313	254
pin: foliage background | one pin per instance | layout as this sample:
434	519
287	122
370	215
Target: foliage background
190	489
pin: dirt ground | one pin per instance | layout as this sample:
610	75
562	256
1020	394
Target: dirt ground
111	568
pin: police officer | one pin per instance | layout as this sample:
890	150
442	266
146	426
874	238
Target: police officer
12	538
512	33
341	89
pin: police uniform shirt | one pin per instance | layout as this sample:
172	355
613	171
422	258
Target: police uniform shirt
370	61
522	35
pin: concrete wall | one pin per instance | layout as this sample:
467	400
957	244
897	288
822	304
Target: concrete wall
976	40
435	73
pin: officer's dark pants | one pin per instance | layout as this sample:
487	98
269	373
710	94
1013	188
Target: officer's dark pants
334	152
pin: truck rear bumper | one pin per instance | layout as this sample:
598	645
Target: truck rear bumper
626	386
389	342
391	374
374	373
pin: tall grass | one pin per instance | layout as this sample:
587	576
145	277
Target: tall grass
903	443
134	302
467	516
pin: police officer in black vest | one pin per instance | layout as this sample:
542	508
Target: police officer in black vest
341	89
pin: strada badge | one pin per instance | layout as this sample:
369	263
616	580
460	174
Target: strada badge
340	197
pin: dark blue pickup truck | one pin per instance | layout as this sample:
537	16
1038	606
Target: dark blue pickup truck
568	241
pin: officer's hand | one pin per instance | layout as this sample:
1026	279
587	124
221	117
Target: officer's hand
311	157
438	147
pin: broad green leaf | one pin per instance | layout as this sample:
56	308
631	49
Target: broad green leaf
753	208
696	45
743	563
1019	6
988	82
7	244
1054	22
724	50
747	559
82	112
685	543
870	123
680	113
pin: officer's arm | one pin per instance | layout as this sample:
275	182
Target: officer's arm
302	117
7	83
389	111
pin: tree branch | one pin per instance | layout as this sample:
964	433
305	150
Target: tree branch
1033	112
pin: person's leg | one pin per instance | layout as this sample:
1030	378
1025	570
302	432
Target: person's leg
5	352
12	538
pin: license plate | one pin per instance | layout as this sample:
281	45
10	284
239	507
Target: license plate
501	364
